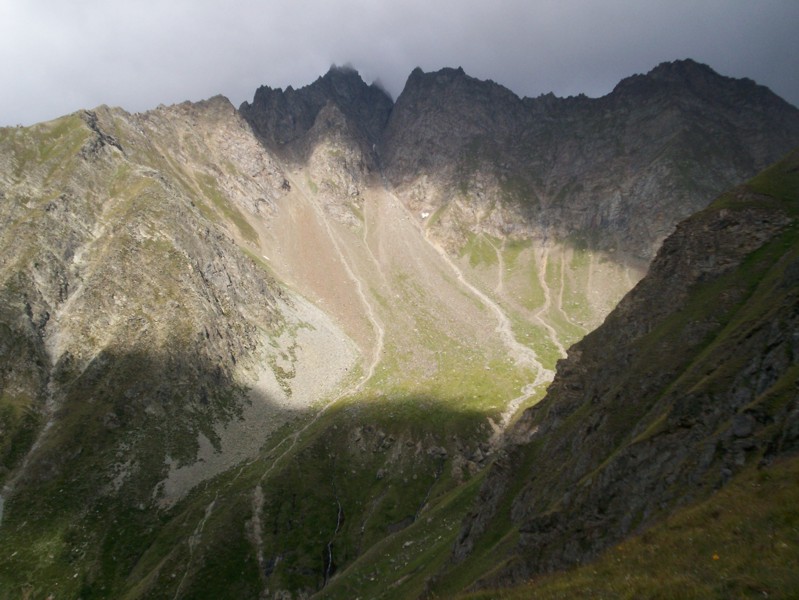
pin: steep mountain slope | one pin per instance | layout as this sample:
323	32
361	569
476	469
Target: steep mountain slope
146	346
691	380
269	352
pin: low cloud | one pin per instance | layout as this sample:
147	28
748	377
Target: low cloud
59	57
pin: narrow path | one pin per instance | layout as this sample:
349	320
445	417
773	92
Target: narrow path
368	247
542	280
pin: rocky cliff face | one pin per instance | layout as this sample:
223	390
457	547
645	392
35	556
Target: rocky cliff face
691	379
484	160
626	165
331	127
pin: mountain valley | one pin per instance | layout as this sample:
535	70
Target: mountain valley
306	348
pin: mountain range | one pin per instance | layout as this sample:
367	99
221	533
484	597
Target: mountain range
330	344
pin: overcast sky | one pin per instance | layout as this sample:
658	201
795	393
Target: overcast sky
57	56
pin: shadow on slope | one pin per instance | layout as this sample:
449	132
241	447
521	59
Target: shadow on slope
86	518
366	476
283	119
690	380
113	428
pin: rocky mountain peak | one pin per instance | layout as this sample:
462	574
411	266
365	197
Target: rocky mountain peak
282	117
451	81
690	79
444	75
343	82
438	114
683	69
671	75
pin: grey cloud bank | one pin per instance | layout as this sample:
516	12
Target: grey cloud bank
58	57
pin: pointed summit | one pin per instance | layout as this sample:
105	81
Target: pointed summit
681	69
342	83
281	117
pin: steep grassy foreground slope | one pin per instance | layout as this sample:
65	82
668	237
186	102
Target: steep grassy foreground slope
690	388
741	542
